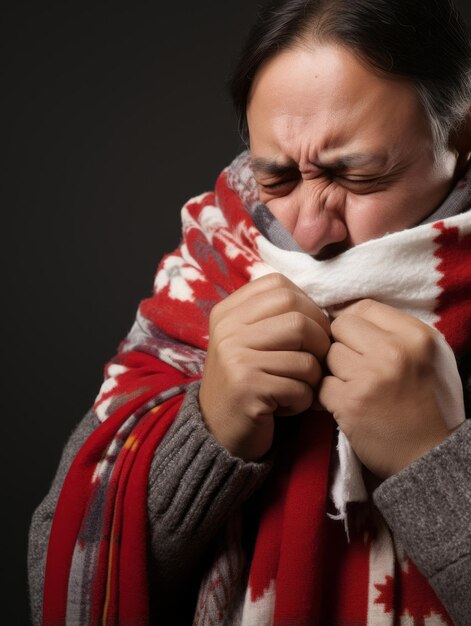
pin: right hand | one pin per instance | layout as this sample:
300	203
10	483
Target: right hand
267	341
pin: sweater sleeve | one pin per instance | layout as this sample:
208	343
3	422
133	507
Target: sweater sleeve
42	518
194	485
428	508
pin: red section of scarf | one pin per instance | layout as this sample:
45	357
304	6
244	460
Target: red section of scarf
291	529
319	578
120	589
222	275
298	598
454	302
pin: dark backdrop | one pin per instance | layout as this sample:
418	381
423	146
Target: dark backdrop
113	118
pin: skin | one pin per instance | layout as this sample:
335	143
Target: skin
312	111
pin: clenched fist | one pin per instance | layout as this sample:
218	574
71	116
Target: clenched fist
267	342
394	387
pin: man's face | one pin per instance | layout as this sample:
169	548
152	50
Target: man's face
340	154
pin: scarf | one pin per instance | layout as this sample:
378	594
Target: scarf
96	569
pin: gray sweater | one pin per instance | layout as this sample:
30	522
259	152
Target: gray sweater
195	485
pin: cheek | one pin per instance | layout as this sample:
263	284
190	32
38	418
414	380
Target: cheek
286	211
372	216
365	217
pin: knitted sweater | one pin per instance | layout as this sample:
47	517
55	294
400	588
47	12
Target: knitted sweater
195	485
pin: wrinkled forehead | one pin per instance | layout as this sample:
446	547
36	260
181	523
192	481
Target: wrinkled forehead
326	92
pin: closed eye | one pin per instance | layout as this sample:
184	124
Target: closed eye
278	184
359	183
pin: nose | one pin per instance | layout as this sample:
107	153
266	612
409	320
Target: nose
320	227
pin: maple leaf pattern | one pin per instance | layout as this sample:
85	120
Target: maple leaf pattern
417	598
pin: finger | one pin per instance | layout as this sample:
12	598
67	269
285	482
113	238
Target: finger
300	366
291	396
386	317
357	333
263	294
276	302
343	362
289	331
260	285
330	390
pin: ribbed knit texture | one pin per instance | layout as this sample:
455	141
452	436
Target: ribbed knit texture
195	486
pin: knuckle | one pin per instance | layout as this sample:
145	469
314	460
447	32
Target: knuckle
215	314
276	281
235	359
294	397
327	395
424	344
224	350
309	362
256	409
323	349
341	323
303	396
332	354
218	338
367	303
240	377
363	305
262	403
336	324
287	298
309	369
297	322
398	355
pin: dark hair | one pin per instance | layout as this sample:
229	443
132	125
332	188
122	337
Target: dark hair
425	41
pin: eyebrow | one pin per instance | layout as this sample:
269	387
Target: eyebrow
357	159
262	165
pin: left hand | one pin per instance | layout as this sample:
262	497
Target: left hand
382	387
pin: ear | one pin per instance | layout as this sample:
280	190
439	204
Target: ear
460	141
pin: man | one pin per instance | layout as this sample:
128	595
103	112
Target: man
351	148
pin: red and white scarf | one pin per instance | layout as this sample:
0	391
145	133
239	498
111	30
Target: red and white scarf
96	570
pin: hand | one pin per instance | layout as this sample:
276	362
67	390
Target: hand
383	387
266	343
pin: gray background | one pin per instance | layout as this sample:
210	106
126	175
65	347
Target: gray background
113	118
